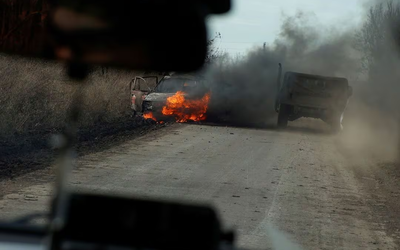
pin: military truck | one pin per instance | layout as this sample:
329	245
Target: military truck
304	95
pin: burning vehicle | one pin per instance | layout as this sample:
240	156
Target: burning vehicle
140	87
180	97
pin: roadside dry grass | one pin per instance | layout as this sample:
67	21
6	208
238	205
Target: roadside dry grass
34	96
34	99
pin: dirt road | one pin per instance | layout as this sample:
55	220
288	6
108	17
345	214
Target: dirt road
302	181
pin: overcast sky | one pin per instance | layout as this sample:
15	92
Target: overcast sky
253	22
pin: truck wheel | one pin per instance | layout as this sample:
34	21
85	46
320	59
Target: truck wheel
336	127
336	123
283	116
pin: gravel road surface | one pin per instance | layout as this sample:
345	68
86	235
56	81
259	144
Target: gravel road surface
303	181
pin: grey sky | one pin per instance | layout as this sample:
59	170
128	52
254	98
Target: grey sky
253	22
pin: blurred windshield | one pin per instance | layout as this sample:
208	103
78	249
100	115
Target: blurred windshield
325	171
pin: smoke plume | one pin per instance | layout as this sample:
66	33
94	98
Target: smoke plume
247	86
368	56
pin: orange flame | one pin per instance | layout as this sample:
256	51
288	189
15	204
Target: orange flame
185	110
149	115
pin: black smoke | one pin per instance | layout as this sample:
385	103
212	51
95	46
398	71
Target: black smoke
246	87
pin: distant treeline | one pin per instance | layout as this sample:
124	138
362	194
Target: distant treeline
21	22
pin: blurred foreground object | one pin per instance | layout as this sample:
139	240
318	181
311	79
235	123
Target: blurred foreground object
134	34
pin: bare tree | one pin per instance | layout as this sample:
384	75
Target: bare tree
213	50
378	42
377	37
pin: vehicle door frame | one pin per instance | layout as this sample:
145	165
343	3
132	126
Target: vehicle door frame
137	96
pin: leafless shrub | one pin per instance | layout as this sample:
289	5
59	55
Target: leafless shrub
35	95
378	40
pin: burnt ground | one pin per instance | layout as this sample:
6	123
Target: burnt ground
32	151
24	153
